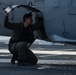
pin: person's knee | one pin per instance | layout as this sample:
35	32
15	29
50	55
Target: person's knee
36	60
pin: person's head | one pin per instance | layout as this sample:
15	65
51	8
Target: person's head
27	18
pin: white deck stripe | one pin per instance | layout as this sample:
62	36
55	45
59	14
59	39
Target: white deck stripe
46	52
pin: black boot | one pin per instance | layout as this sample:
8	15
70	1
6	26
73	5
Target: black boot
21	62
14	58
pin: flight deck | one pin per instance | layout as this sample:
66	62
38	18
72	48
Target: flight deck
53	59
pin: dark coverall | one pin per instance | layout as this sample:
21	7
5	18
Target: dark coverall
20	38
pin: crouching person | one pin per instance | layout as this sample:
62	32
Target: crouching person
21	36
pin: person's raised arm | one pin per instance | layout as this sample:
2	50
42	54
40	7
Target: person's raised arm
8	24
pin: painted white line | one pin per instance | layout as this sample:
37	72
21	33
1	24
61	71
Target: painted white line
56	52
46	52
5	60
4	51
67	62
60	62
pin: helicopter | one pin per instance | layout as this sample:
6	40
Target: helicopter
58	18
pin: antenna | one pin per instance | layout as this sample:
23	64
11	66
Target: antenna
30	4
